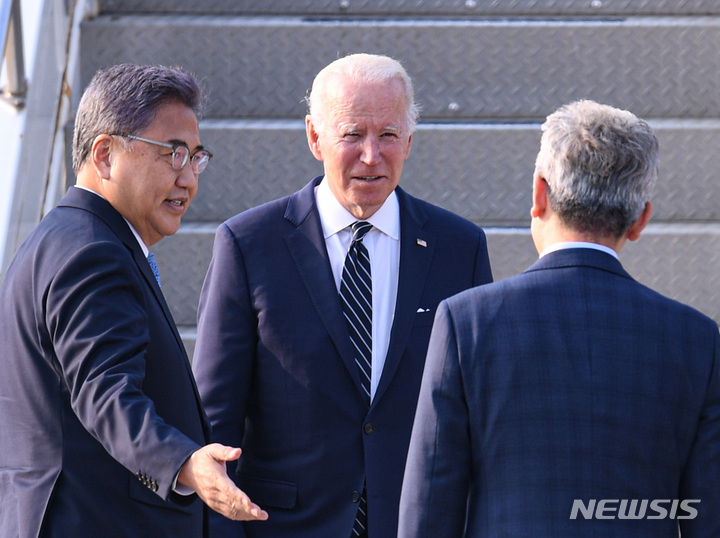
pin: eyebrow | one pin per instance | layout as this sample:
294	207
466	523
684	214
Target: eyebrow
183	143
354	128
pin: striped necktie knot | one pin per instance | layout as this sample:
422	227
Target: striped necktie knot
360	228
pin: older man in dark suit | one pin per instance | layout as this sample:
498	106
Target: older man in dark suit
570	400
101	428
316	312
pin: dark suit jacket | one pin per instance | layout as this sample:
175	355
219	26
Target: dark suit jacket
569	381
276	369
99	408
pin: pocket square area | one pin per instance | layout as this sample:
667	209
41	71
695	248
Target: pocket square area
423	310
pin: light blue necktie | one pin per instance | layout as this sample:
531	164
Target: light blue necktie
154	267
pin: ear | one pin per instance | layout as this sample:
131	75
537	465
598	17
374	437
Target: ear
101	155
313	138
633	234
539	197
407	152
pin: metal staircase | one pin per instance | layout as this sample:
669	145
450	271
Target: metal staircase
486	74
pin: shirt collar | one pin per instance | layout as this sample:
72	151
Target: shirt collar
563	245
334	217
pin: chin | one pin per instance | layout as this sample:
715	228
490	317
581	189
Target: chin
170	229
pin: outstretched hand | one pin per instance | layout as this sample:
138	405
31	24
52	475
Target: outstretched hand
205	472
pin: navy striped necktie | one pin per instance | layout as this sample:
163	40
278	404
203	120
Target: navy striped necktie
356	298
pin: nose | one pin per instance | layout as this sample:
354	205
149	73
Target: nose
370	151
187	177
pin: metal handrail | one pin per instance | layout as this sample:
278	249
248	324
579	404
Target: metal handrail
13	56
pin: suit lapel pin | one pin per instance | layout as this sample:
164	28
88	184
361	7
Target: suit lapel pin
421	242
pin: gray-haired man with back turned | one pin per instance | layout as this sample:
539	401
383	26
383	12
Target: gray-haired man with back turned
571	384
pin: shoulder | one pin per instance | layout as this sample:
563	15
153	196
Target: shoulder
69	232
71	241
257	217
505	297
684	316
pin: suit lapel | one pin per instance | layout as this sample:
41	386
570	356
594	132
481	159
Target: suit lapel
101	208
307	247
142	263
416	253
108	214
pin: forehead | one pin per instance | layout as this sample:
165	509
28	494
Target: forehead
174	121
354	102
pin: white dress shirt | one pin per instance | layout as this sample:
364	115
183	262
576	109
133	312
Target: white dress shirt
562	245
383	245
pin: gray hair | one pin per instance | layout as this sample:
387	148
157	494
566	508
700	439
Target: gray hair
125	98
364	68
600	164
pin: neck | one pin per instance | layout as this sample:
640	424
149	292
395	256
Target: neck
553	232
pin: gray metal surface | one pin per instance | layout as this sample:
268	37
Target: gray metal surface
504	70
486	72
681	262
422	8
480	171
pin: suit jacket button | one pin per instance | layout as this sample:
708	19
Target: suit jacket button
356	496
368	428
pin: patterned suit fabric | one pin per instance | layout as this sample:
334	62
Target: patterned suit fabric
568	381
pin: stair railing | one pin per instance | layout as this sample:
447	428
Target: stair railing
13	58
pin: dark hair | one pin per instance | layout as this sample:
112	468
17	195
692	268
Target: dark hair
124	99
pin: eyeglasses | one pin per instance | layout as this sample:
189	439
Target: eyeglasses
180	153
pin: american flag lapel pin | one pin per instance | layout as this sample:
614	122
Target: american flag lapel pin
421	242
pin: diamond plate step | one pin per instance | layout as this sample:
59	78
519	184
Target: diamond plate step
480	171
499	70
486	73
457	8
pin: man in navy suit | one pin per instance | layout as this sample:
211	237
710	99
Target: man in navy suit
570	400
102	432
323	442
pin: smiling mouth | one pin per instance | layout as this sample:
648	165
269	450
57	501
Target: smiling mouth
367	178
176	203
